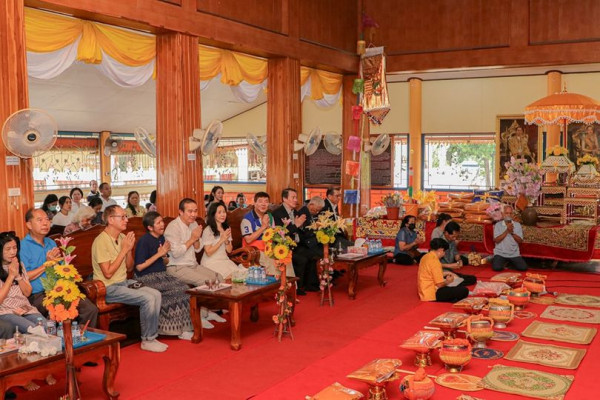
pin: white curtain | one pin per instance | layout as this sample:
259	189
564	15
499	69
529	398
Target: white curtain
328	99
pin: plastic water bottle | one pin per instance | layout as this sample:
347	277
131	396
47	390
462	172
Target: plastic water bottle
263	275
59	330
51	327
75	332
40	322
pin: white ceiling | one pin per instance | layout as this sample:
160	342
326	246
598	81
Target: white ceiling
83	99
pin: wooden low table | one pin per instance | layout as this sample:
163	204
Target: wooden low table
233	298
354	264
19	369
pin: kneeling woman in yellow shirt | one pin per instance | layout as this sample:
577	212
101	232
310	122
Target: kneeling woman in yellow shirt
432	281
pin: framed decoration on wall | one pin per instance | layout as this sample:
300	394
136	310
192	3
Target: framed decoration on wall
516	139
583	139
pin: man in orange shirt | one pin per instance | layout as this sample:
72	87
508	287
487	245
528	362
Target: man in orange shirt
432	281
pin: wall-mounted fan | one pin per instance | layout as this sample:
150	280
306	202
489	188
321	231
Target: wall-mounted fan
379	145
111	146
29	132
257	144
310	143
206	139
333	143
146	141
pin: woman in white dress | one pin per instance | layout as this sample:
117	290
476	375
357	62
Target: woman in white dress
216	239
64	216
76	195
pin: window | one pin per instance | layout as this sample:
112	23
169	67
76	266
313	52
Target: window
400	154
73	161
234	161
459	161
390	169
130	166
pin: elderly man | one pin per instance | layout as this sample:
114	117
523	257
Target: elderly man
35	250
184	234
112	260
508	234
331	203
309	247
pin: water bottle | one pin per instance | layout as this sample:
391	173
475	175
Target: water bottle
51	327
263	275
40	322
75	333
18	337
59	330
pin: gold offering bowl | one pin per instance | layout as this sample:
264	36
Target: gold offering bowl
501	314
480	329
377	389
423	358
455	354
535	284
518	297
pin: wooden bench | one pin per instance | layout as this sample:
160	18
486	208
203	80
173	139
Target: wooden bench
95	289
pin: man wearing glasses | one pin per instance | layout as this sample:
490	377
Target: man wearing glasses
112	260
35	249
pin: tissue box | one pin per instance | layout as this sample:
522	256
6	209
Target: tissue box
43	342
357	250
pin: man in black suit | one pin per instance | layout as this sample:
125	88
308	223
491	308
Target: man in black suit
309	244
286	215
332	204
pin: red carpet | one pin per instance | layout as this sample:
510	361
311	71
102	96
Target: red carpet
329	343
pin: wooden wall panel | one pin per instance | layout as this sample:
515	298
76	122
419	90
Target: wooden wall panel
174	2
408	26
284	123
177	114
13	96
266	14
338	32
559	21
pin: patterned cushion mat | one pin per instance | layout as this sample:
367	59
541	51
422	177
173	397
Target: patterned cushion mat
572	314
487	354
527	382
545	354
545	300
578	300
462	382
505	336
560	332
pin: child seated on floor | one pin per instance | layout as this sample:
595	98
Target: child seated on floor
434	284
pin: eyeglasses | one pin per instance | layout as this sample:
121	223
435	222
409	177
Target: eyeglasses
123	217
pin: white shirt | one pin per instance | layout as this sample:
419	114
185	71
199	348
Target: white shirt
62	219
178	233
106	203
334	208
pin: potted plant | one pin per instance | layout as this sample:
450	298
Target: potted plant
392	202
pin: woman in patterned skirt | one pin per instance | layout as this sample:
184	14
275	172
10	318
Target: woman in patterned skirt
150	254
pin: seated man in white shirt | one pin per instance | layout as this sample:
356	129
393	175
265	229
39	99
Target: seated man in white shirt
184	234
105	193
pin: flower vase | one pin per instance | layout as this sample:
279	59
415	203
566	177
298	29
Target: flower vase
72	387
325	276
393	213
529	216
411	209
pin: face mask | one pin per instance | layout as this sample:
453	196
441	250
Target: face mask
411	227
53	208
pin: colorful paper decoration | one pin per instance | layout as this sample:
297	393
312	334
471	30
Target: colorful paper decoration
353	144
351	197
352	168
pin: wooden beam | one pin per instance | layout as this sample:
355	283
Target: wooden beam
210	29
284	123
14	96
177	115
105	167
554	83
414	130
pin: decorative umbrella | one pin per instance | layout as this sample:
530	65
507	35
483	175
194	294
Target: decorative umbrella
563	108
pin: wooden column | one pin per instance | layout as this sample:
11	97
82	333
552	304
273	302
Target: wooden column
14	96
177	115
348	100
284	123
414	130
554	86
365	166
105	168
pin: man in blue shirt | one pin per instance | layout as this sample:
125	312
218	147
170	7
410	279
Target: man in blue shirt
508	234
34	251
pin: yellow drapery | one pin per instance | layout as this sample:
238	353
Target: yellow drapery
47	32
321	82
234	67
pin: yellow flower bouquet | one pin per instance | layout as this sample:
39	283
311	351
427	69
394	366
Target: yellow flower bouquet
278	245
587	159
326	228
60	285
557	150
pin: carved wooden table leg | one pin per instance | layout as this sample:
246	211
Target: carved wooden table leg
195	314
111	366
254	313
235	312
352	280
382	268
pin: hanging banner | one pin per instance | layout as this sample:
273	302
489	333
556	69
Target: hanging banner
375	99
